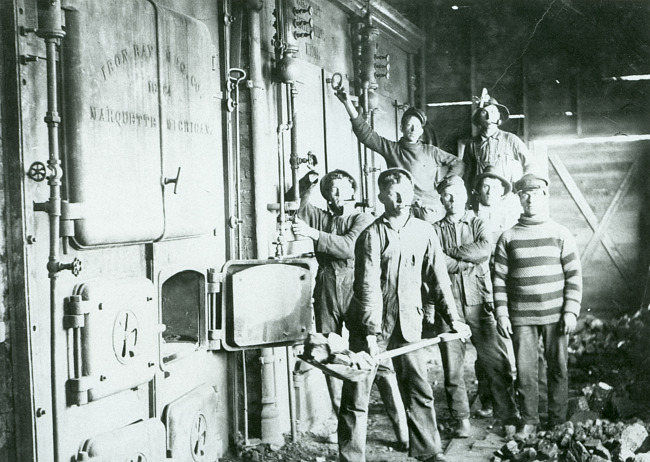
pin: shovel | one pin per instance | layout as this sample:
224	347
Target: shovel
352	374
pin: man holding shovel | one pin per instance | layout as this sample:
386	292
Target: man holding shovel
400	274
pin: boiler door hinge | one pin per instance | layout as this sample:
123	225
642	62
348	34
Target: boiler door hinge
70	211
78	388
75	311
215	281
215	311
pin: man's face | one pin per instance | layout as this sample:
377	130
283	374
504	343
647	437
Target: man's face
397	198
534	202
340	194
412	129
490	115
454	198
490	191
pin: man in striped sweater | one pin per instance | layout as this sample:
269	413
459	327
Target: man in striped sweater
537	293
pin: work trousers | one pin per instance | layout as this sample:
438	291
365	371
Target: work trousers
526	343
386	382
492	356
411	370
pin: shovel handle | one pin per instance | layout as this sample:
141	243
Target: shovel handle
421	344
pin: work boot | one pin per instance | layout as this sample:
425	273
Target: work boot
463	430
526	432
439	457
402	446
505	431
484	413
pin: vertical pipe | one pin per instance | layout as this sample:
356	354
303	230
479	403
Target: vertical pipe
50	29
258	119
293	160
411	80
366	166
292	396
423	78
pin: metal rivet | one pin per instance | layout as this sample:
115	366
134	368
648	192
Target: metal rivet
31	239
40	412
102	378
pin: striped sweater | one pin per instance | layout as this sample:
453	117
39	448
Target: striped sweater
537	273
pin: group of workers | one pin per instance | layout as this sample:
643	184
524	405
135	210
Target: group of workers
460	254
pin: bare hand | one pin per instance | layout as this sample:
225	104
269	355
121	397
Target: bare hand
301	228
373	348
342	95
504	327
461	328
568	324
312	177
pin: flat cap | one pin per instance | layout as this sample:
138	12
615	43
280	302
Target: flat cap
531	181
326	182
452	180
414	112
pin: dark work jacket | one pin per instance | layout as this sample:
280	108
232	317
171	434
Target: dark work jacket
400	274
335	254
467	247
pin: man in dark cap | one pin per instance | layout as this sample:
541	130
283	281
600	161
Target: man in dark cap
334	232
504	151
400	279
466	243
537	293
490	190
423	161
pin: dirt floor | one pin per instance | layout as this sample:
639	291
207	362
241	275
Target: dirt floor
609	380
312	446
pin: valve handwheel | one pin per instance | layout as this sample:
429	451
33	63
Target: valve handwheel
336	81
37	171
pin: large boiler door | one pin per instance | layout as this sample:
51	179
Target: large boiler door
142	123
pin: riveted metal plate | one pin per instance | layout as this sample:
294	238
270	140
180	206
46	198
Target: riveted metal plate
140	442
268	302
137	109
192	426
120	336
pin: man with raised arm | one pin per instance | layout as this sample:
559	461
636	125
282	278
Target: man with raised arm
423	161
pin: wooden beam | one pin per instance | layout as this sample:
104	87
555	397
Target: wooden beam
611	210
590	216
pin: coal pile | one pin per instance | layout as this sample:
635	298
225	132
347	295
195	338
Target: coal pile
609	404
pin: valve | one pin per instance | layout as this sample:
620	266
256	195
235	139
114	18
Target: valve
385	57
74	266
302	22
36	171
311	160
382	74
297	35
309	10
336	81
383	66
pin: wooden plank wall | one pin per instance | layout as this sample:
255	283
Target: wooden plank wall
600	191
